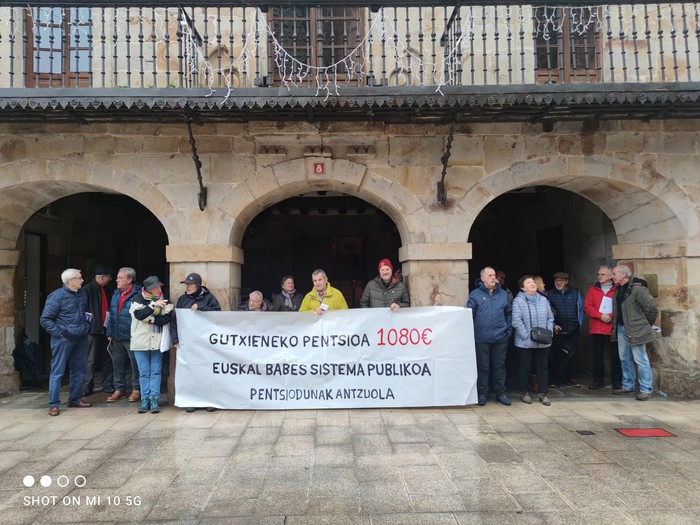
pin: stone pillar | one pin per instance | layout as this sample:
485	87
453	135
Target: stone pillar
674	266
9	378
220	268
436	274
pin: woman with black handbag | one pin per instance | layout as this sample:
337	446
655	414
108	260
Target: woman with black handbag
533	323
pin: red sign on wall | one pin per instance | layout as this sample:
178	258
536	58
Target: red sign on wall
319	168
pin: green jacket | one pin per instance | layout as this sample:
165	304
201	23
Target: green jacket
638	313
376	295
333	298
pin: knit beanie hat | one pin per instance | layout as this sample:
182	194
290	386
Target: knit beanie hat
385	262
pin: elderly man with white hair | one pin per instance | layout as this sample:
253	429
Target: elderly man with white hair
66	319
257	303
634	312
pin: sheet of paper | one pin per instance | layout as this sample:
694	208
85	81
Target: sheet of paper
606	305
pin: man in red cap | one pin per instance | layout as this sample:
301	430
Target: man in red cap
385	290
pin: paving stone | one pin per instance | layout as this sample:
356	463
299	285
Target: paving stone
433	466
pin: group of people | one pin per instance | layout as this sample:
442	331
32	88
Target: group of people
545	328
85	324
385	290
93	327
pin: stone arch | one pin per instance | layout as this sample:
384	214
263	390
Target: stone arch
630	194
29	186
288	179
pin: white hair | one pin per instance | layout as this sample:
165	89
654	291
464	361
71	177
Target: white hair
625	270
68	274
483	270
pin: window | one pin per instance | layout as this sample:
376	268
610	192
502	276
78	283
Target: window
318	37
60	41
567	45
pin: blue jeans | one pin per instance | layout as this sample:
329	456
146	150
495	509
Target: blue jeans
75	353
121	351
491	356
150	363
638	354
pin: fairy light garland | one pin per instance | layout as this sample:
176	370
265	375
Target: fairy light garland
546	22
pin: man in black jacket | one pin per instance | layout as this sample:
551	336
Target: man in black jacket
196	298
99	292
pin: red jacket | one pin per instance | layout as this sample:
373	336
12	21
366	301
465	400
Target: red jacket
591	305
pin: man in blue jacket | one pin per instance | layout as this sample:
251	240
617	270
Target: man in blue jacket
491	308
66	319
567	305
119	335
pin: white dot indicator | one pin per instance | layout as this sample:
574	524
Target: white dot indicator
63	481
28	481
80	481
45	481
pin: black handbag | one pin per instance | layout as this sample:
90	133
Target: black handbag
538	334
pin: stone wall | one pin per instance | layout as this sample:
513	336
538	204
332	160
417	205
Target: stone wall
641	176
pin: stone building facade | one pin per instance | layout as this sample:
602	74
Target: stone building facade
641	176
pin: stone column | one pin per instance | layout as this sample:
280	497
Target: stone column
436	274
672	269
220	268
9	378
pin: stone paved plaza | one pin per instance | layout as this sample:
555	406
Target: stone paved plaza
458	466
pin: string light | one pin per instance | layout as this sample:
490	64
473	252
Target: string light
547	22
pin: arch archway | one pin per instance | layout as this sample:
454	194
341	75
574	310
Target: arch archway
276	183
643	205
655	222
81	231
33	188
541	230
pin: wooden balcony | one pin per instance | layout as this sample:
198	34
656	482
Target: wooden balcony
403	61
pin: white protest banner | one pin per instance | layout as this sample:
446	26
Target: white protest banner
370	357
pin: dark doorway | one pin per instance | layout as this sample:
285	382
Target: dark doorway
82	231
539	231
343	235
550	252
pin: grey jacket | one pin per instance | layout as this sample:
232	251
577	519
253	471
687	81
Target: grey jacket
541	314
638	314
376	295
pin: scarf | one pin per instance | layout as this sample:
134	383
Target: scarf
122	298
157	310
104	305
387	284
288	305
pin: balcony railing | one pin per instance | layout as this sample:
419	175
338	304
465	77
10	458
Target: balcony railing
330	46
